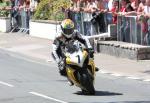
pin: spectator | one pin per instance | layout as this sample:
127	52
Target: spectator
24	13
87	17
87	6
16	13
102	20
135	4
27	8
105	5
143	19
124	28
115	10
127	27
12	13
123	5
95	17
129	8
110	4
80	5
94	6
78	15
147	8
33	6
141	6
69	13
98	10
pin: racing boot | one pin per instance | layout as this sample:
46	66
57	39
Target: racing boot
70	82
96	69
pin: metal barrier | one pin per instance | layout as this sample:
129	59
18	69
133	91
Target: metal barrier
94	26
21	21
90	24
130	30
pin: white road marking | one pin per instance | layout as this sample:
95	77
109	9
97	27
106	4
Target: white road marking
120	75
49	60
25	47
146	80
6	84
103	72
115	74
136	78
47	97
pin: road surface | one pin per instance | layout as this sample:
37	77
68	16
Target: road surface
27	80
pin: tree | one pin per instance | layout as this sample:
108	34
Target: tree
51	9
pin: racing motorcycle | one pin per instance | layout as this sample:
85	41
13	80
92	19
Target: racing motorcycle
80	68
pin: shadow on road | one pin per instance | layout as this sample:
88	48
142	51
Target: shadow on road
147	71
100	93
106	93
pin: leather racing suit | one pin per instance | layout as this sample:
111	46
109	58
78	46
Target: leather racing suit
61	42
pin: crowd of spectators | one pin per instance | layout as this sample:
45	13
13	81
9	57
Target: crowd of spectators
19	10
116	7
95	14
138	8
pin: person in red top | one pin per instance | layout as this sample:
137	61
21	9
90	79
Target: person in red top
114	10
124	22
123	5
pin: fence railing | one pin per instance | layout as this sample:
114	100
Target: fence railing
90	24
129	29
19	18
20	21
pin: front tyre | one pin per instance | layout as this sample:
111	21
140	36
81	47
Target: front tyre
87	83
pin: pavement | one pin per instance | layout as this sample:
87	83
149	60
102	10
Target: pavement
39	48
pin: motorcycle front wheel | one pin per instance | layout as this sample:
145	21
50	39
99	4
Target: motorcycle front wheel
87	82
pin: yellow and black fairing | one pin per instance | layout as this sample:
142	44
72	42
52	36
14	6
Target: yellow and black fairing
73	69
91	67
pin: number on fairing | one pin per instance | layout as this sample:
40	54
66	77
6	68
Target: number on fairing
78	56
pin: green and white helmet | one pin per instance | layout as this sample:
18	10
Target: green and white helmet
67	28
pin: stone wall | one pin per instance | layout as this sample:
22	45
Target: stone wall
44	29
124	50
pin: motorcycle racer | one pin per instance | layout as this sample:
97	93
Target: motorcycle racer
67	36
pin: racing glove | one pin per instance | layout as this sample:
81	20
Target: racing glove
91	52
61	66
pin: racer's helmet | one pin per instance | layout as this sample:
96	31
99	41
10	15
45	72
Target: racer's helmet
67	28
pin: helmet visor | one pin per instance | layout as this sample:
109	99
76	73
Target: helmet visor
68	31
